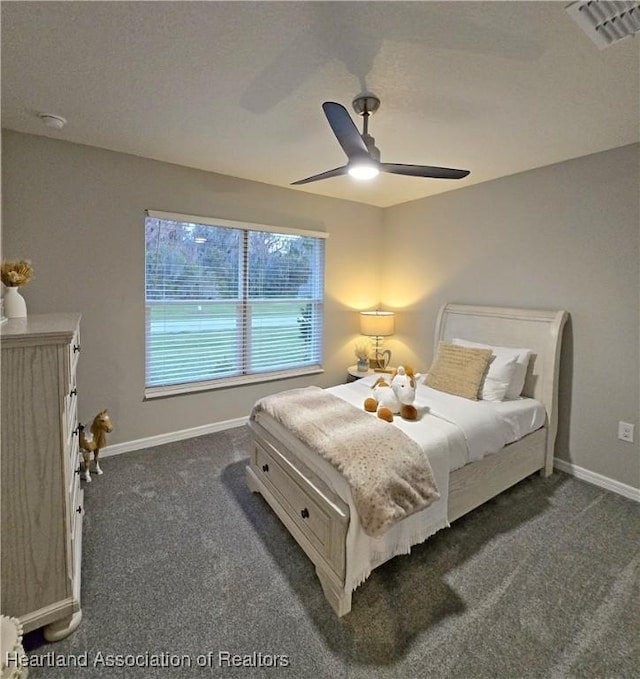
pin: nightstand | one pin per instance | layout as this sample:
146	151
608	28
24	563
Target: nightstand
355	374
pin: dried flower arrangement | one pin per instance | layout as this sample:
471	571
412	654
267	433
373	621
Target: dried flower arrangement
361	350
16	273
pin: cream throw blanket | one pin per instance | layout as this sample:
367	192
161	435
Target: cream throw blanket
388	472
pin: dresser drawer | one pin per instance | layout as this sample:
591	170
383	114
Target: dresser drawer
74	501
76	550
71	405
71	450
76	506
75	460
74	354
70	424
316	516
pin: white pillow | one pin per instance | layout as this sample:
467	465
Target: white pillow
508	364
498	379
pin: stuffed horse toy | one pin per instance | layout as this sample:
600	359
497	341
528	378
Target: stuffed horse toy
403	384
100	427
395	397
383	400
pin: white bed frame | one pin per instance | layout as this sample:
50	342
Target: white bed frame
319	520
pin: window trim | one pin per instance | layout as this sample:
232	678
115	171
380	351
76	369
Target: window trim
234	224
166	391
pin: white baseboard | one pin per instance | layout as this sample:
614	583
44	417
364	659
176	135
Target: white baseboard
597	479
170	437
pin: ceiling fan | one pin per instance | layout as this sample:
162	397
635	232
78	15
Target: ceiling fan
364	156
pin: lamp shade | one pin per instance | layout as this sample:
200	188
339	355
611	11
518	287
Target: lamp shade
377	323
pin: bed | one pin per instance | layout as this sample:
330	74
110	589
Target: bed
315	501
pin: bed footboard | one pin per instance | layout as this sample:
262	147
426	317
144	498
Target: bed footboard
316	517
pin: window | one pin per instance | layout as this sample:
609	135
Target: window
229	303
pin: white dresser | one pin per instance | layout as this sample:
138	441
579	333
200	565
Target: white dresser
42	502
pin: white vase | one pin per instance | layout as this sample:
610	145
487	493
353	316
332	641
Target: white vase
14	304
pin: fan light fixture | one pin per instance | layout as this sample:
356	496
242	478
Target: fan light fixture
362	153
364	171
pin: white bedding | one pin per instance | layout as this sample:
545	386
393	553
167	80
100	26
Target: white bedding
481	428
487	426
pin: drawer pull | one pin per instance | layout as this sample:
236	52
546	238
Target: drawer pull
265	467
304	513
73	392
78	470
79	510
76	431
76	348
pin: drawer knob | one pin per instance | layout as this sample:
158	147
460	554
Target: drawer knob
76	348
265	467
304	513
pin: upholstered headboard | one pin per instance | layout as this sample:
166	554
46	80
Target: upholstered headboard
535	329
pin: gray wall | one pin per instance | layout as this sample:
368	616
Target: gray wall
560	237
564	236
77	213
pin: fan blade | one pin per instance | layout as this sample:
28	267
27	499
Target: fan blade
424	171
345	130
323	175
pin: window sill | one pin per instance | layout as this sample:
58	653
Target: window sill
151	393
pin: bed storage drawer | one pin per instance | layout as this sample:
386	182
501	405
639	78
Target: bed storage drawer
297	499
320	517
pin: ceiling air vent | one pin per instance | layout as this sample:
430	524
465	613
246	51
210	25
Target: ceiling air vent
606	22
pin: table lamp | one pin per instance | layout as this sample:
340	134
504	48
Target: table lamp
378	324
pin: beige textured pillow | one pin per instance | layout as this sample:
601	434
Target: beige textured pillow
459	370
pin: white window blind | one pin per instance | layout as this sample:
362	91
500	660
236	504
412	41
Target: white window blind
228	302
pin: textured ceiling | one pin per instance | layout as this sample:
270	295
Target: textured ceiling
237	87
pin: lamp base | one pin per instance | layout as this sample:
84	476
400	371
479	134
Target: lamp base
381	360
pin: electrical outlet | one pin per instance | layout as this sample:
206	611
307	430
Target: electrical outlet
625	431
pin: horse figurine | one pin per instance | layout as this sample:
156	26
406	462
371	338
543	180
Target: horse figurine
100	427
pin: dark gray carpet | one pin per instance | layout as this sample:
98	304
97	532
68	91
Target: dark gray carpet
180	559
